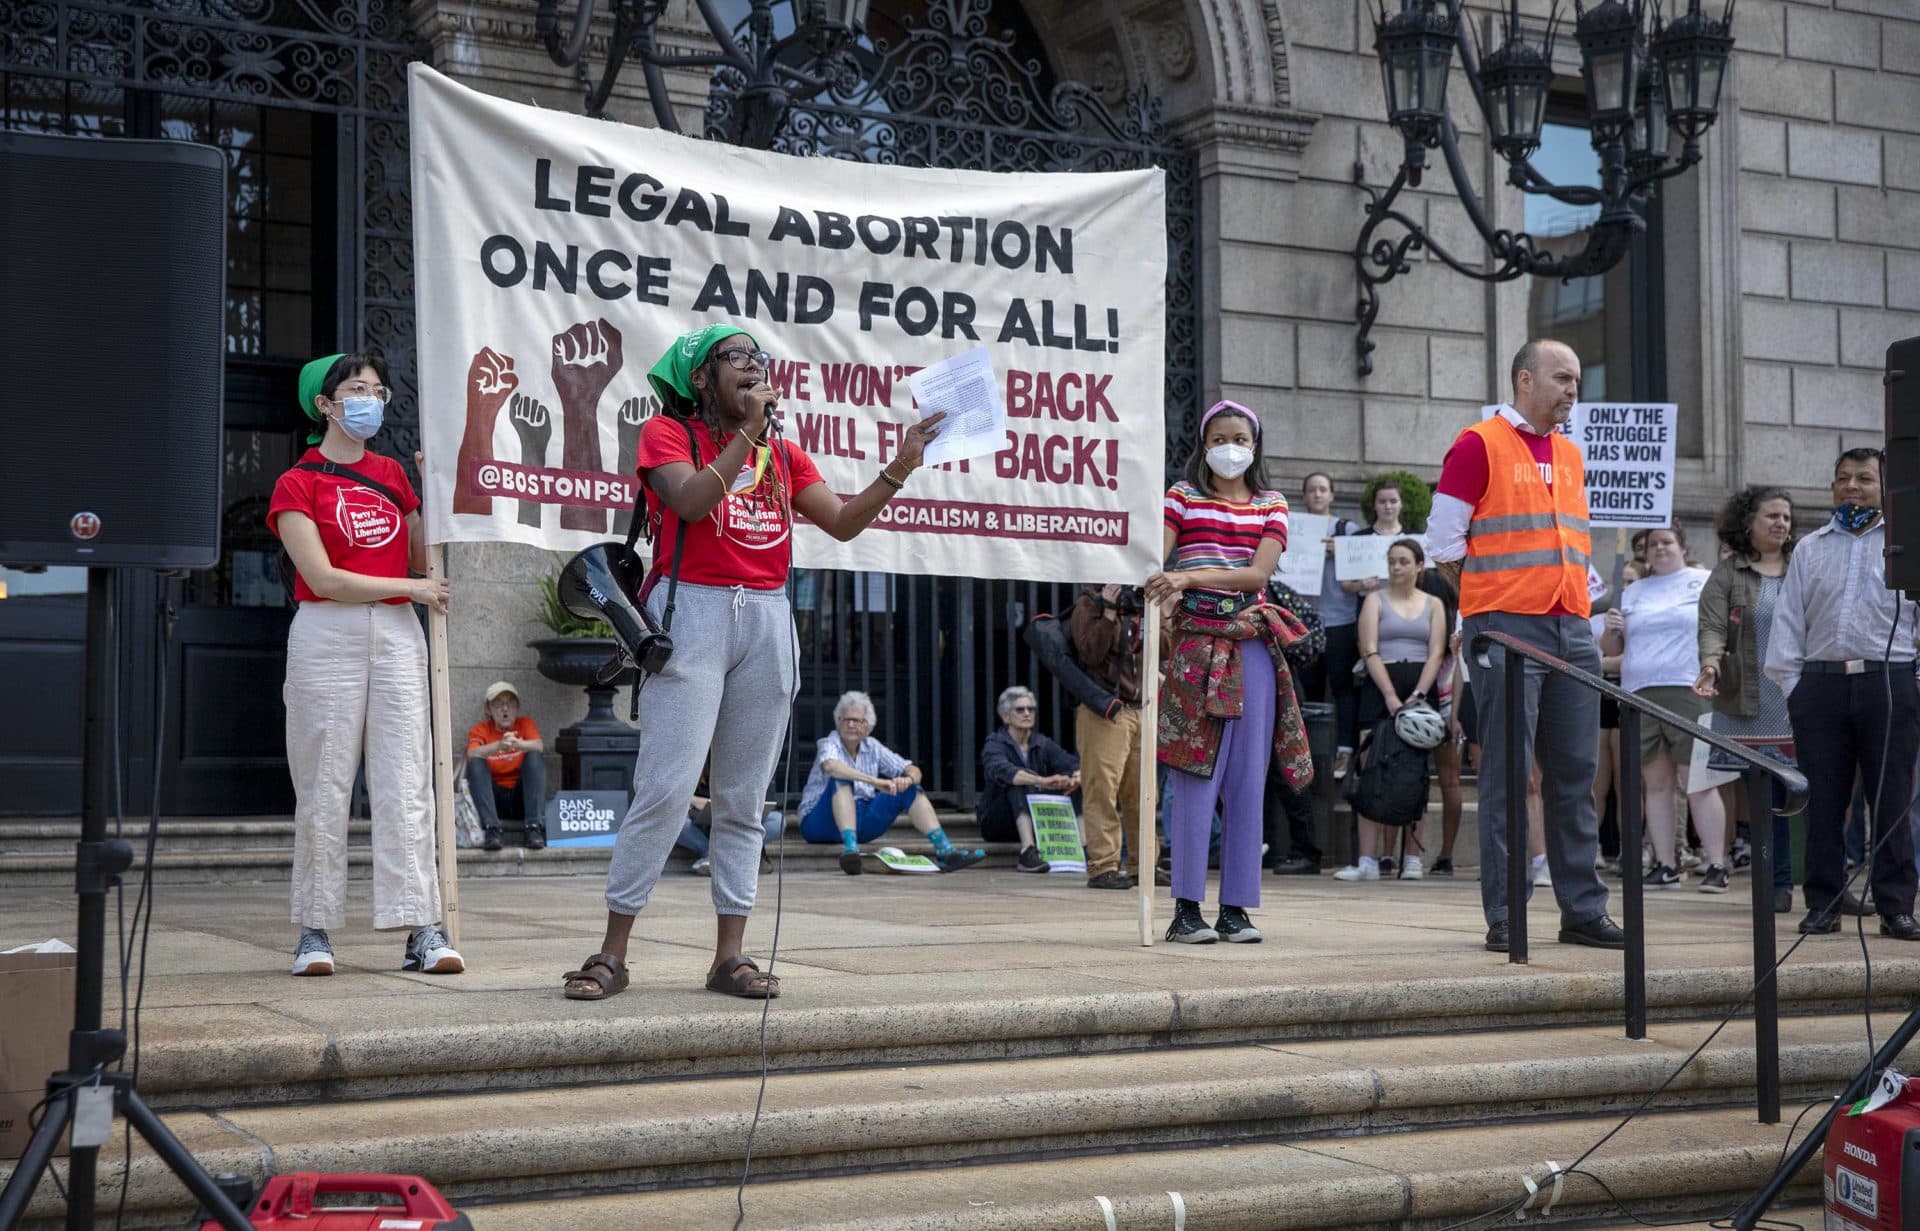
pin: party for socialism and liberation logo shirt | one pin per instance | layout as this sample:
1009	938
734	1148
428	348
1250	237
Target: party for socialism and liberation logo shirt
363	532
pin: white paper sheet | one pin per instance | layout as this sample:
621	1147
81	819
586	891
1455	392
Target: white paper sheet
964	387
1302	565
1358	557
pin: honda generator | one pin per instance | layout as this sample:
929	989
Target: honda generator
292	1201
1871	1170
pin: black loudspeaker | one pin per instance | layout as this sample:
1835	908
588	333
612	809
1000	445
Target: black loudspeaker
1900	476
112	345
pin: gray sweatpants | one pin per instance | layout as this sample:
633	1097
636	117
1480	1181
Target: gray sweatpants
1562	722
728	686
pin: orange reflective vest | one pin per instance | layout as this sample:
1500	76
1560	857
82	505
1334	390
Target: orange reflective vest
1528	548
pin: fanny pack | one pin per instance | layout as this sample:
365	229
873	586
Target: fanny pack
1214	605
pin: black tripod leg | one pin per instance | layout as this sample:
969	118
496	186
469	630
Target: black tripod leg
184	1166
33	1162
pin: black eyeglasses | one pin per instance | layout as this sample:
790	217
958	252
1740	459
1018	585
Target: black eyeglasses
744	360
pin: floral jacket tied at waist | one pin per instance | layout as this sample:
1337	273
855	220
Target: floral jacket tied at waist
1203	688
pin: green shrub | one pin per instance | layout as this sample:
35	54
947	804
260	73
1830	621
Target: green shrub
1416	499
558	620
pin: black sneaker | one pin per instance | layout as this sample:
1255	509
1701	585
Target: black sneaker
490	839
1188	928
1112	879
1442	866
1296	865
1742	857
1783	901
1497	937
1030	861
1660	876
1235	928
1715	881
953	859
535	837
850	862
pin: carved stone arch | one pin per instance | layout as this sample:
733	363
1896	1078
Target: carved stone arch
1190	53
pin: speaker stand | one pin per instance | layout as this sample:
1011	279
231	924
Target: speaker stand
98	863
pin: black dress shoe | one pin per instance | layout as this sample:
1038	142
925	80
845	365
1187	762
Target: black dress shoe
1296	865
1900	927
1850	905
1820	922
1497	938
1600	933
1783	901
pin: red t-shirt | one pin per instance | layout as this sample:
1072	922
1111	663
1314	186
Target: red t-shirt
1463	474
744	541
361	529
505	765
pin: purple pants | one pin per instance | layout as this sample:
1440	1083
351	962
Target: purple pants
1238	785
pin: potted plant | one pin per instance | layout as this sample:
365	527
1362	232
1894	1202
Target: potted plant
578	648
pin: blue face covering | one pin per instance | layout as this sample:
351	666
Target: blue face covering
361	417
1854	517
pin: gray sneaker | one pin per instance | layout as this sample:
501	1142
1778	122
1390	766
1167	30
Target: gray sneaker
314	955
429	952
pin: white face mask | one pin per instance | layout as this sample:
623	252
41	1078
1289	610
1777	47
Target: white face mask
1229	461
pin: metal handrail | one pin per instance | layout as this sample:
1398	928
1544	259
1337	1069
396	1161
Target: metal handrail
1761	770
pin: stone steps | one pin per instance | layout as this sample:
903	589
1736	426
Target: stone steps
682	1133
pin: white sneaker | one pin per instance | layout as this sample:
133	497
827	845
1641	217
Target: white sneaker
1341	759
1410	869
1541	876
1366	870
314	956
429	952
702	866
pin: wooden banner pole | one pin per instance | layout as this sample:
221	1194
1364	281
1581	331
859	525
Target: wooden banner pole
1146	847
440	688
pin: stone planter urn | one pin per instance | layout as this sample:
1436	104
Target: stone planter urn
596	753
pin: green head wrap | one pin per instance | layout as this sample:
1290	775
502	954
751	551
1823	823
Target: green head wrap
673	373
310	378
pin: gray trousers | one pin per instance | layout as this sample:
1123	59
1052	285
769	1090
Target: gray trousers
1562	725
728	687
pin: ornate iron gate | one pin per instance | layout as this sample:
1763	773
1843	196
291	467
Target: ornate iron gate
950	91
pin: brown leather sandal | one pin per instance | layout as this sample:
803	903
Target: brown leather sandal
738	976
606	973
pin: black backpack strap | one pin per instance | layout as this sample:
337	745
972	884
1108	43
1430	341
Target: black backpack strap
339	470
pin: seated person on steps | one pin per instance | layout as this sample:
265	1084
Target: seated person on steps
504	779
858	788
1015	761
695	835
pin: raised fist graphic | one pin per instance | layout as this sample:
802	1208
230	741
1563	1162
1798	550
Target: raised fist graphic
533	423
490	380
586	358
633	413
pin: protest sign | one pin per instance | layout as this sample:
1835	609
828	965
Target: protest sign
1363	557
556	256
1303	564
1056	832
895	860
1628	451
585	818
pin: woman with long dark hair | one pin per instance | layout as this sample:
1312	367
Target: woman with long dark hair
1736	626
1227	702
712	464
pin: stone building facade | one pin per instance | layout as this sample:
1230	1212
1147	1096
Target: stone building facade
1789	258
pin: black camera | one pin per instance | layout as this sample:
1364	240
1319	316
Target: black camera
603	583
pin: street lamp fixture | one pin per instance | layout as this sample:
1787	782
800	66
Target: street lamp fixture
1646	80
823	53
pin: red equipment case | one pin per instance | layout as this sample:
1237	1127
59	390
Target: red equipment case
287	1203
1871	1168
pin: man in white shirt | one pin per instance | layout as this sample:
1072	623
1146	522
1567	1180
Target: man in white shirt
1843	649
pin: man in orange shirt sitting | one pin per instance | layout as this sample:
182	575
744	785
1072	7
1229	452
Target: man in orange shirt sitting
504	779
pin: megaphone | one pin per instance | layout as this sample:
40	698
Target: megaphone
600	583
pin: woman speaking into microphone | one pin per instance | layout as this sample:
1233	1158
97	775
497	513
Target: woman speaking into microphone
712	465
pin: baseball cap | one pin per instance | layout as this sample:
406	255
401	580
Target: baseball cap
499	686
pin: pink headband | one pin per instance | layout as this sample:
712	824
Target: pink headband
1230	408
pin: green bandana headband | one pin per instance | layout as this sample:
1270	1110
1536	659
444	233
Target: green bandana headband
673	373
311	377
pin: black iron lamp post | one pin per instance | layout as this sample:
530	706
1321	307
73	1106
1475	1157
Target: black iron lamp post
1647	80
822	53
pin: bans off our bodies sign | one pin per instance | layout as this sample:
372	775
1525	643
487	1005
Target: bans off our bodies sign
557	256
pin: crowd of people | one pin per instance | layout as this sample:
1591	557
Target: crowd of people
1796	650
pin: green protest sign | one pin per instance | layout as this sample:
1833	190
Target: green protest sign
896	860
1056	831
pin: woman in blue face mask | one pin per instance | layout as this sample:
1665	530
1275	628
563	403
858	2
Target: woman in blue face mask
356	684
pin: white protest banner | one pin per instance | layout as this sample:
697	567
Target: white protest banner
1628	450
556	257
1363	557
1303	564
